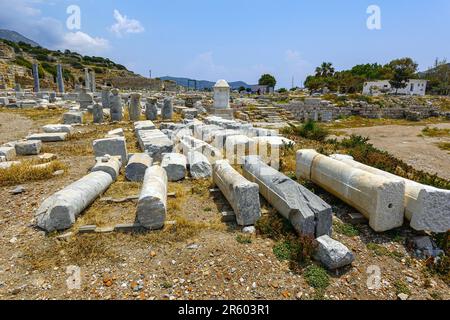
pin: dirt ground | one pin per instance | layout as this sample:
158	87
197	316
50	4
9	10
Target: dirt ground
13	127
407	144
198	257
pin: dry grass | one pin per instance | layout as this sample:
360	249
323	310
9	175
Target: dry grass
27	171
45	116
444	146
435	132
357	122
69	149
79	251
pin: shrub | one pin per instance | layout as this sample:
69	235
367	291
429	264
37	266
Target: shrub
21	61
296	249
243	239
346	229
310	130
317	277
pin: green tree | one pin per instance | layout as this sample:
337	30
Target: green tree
325	70
403	70
438	78
282	90
241	89
267	80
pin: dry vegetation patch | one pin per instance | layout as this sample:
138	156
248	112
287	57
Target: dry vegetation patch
27	171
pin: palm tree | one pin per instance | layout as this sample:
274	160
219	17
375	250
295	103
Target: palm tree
326	69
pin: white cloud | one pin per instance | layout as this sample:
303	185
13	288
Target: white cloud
125	25
23	16
80	41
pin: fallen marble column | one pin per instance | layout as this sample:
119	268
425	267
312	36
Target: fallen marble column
48	137
379	199
59	211
242	194
152	204
426	207
308	214
175	165
114	146
28	147
137	165
332	254
108	164
58	128
199	165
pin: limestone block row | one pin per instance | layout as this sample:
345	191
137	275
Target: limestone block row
28	147
152	204
59	211
8	152
426	207
73	117
308	214
379	199
242	194
154	143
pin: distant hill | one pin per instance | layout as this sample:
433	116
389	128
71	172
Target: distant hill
203	84
16	37
427	72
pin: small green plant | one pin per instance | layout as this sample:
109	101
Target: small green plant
243	239
346	229
282	251
317	277
401	287
311	130
435	132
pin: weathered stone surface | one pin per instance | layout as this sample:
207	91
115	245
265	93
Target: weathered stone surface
115	146
115	133
137	165
8	152
308	214
242	195
8	164
167	109
48	137
175	165
97	112
427	208
135	107
239	146
332	254
379	199
199	165
152	205
28	148
116	109
73	117
109	164
48	157
144	125
106	92
151	109
59	211
155	143
58	128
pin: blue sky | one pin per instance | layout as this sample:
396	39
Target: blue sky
237	40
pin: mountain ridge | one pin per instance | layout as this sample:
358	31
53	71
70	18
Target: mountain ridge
203	84
16	37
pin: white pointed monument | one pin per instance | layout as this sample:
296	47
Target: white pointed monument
222	100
